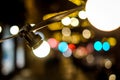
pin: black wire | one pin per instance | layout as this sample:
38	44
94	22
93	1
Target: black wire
13	36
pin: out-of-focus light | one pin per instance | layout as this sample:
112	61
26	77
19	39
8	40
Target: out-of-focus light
80	52
63	47
106	46
86	33
82	15
55	26
77	2
66	38
108	64
98	46
112	77
67	53
66	31
90	59
75	38
0	29
32	25
14	29
66	21
43	50
112	41
57	36
74	22
90	48
53	42
72	47
105	17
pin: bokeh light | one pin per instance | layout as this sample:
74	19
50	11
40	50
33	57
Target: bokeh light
66	31
75	38
106	46
86	33
98	46
14	29
0	29
67	53
108	63
53	42
71	46
82	15
112	41
66	21
62	47
90	48
74	22
90	59
80	52
112	77
103	16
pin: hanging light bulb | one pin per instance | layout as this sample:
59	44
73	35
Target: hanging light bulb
40	48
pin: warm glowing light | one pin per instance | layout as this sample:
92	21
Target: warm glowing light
112	41
80	52
74	22
14	29
82	15
90	48
103	14
32	25
53	42
72	47
86	33
63	47
43	50
67	53
98	46
108	64
66	31
66	21
90	59
75	38
0	29
112	77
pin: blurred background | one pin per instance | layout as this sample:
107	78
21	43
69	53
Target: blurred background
78	51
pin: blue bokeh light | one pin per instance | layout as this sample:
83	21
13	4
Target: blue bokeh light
106	46
98	45
63	47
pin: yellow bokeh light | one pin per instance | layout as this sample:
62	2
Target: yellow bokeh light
55	26
57	36
77	2
112	41
75	38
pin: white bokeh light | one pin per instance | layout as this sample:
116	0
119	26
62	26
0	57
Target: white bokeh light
0	29
103	14
43	50
14	29
74	22
82	15
66	21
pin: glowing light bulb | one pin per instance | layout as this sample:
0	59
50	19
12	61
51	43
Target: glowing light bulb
14	29
103	14
43	50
